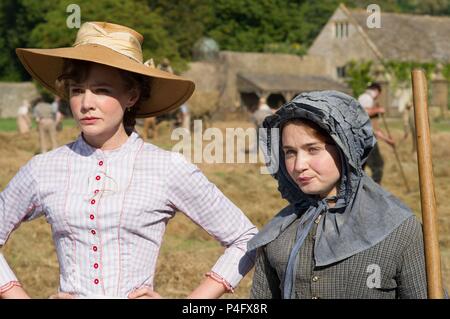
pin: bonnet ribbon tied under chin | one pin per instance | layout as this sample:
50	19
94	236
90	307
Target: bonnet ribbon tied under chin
304	227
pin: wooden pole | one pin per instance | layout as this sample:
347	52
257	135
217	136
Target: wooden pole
402	172
427	196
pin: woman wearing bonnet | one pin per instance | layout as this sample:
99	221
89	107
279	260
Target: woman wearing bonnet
109	195
342	236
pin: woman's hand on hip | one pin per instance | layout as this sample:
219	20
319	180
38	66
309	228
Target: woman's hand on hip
61	295
144	293
15	292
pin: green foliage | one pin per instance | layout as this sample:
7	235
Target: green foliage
17	18
268	25
171	27
244	25
285	47
184	20
135	14
42	24
446	72
358	73
401	70
358	76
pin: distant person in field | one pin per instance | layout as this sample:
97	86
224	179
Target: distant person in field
409	128
405	107
45	119
342	236
24	118
58	115
263	110
185	116
149	128
109	195
369	102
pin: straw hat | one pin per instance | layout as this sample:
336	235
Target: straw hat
113	45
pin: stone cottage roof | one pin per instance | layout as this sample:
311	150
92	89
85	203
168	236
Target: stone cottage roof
278	83
408	37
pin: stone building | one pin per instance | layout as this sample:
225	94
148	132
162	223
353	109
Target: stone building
235	80
350	35
12	94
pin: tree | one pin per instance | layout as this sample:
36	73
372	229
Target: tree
17	20
247	25
42	24
171	27
358	76
184	20
134	14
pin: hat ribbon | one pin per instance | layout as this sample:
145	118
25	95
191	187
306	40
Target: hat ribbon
121	42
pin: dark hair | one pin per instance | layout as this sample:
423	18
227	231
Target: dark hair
374	86
77	71
315	129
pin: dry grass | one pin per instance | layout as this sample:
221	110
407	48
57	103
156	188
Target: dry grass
187	251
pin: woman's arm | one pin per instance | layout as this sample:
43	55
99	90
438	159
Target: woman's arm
15	292
18	202
10	287
190	192
208	289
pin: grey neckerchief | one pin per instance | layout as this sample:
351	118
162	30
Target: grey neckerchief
365	213
304	227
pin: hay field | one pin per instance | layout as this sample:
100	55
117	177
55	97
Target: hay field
188	252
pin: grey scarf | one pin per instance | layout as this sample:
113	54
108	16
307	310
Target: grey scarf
364	213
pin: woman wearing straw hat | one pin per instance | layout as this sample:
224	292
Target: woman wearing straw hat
108	195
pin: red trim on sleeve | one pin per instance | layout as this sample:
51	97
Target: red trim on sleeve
220	280
9	285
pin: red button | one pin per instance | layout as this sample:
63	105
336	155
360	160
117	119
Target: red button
95	265
100	163
96	281
94	248
91	217
93	201
93	232
96	191
97	177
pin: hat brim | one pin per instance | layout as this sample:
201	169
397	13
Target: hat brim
167	91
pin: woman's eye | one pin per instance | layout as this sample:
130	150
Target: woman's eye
102	91
75	91
289	152
314	150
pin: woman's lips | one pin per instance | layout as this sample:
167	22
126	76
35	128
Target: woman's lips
89	120
304	180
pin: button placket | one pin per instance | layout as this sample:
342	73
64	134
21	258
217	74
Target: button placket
314	287
97	187
98	181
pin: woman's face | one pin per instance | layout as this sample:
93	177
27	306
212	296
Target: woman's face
310	162
98	104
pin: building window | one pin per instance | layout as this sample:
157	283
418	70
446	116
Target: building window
341	29
340	70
